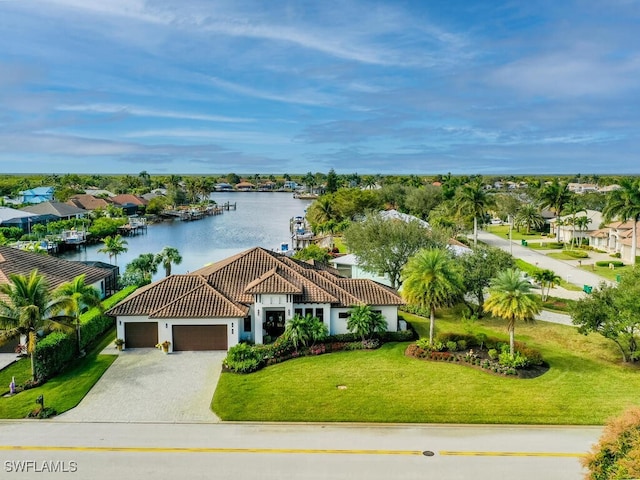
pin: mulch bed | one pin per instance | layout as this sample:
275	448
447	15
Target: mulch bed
532	371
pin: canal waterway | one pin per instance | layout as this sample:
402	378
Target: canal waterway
261	219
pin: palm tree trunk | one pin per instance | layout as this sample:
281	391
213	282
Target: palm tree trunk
33	367
512	339
558	228
432	321
475	232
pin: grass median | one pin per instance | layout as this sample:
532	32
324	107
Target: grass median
585	385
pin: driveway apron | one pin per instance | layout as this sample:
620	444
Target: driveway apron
146	385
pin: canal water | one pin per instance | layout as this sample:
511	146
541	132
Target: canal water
261	219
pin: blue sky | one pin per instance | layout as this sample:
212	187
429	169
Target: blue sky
426	87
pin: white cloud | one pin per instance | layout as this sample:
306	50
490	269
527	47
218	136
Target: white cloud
148	112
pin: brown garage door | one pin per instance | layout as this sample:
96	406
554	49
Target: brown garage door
199	337
140	334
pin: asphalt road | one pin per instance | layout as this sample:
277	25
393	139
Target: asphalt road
290	451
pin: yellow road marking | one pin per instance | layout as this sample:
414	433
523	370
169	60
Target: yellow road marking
210	450
509	454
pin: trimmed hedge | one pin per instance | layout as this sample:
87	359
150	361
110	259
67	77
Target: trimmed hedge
576	253
606	263
53	353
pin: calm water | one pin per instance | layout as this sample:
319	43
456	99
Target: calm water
261	219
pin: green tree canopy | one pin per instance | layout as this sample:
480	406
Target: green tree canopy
167	257
384	246
365	321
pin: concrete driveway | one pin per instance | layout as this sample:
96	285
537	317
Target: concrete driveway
146	385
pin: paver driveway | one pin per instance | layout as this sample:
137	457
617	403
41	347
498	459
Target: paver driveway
146	385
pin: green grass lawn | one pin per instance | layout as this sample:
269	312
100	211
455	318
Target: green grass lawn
62	392
606	272
530	269
586	384
503	231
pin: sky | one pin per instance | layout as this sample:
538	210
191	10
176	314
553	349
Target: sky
368	87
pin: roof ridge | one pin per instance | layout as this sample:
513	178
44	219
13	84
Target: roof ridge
188	292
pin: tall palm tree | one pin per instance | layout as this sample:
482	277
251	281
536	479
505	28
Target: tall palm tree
474	201
29	309
113	246
145	265
79	296
555	195
167	257
432	279
624	204
574	206
547	279
510	298
582	222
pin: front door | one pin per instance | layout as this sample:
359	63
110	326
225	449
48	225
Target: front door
275	323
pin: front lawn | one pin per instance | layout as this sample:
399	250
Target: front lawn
606	272
62	392
503	231
586	384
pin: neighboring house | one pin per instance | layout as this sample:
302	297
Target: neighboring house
245	186
11	217
130	204
245	297
56	210
616	237
290	185
396	215
89	202
567	230
37	195
582	187
97	192
223	187
56	271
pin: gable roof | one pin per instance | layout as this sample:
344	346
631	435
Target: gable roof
8	214
57	209
55	270
88	202
127	198
227	288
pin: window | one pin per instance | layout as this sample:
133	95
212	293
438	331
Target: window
320	313
308	311
247	324
298	311
343	315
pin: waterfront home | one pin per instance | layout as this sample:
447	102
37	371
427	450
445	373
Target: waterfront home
245	187
130	204
249	296
11	217
54	211
89	202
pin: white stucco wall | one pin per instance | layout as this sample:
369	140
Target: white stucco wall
339	325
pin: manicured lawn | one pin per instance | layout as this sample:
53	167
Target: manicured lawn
606	272
62	392
503	231
528	268
585	385
563	255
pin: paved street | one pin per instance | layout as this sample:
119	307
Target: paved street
298	451
145	385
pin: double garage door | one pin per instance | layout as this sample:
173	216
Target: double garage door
185	337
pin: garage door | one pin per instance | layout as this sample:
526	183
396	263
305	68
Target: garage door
199	337
140	334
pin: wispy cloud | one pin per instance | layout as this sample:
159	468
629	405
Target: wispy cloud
149	112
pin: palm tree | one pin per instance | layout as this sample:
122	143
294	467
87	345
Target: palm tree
432	279
474	201
624	204
582	222
145	265
304	330
555	195
547	280
167	257
78	296
364	321
573	207
529	216
113	246
29	309
510	298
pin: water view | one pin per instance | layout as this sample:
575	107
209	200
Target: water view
260	219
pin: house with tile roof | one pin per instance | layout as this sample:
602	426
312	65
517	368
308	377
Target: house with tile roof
248	296
616	237
89	202
56	271
131	204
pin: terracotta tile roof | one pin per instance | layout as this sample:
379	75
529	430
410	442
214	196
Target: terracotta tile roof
55	270
602	233
226	288
88	202
127	198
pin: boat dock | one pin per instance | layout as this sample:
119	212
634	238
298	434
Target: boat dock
135	226
196	213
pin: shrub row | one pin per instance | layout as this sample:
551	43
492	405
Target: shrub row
576	253
605	263
414	350
53	353
58	349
